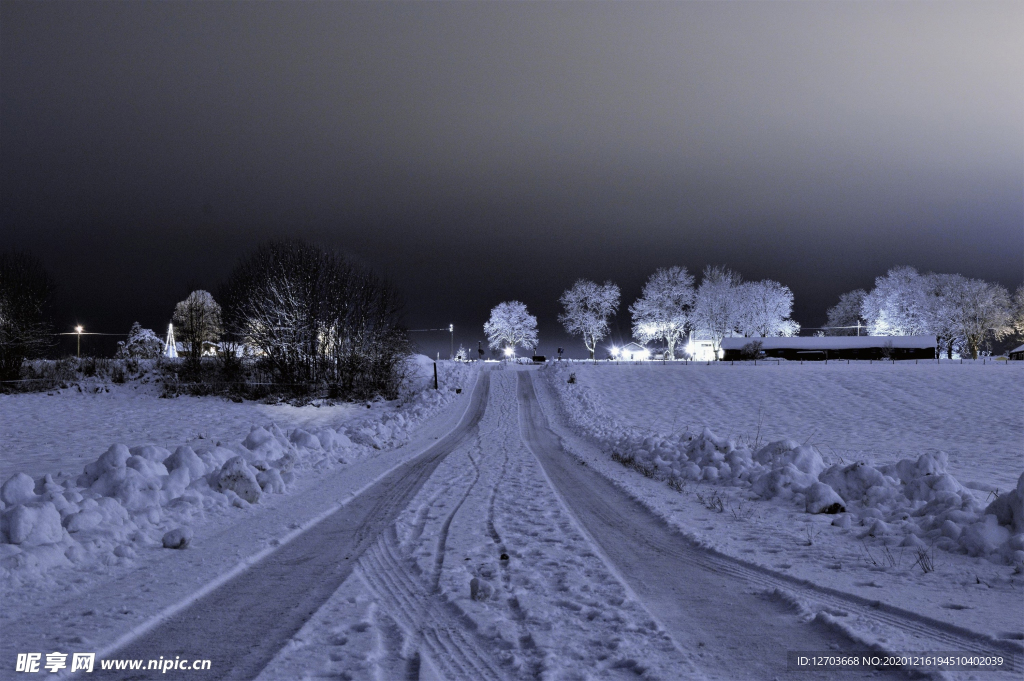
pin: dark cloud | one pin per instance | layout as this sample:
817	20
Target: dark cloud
484	151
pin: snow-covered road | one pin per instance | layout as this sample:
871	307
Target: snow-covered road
494	554
240	625
736	617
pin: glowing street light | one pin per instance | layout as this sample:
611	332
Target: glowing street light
79	330
509	352
451	330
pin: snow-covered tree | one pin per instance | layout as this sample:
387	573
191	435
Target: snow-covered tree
462	354
716	305
141	344
846	314
198	321
588	306
510	326
898	305
1017	312
662	312
979	310
765	308
942	313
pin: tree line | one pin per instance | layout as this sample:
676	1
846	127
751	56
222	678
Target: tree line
297	313
307	317
964	314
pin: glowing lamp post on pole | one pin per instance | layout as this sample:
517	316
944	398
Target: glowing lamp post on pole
451	330
509	352
78	331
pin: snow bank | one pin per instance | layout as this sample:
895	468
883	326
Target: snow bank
146	496
913	502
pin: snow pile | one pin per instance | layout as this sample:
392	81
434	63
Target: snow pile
913	502
148	496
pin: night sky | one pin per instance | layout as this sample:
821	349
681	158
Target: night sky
480	152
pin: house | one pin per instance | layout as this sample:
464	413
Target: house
631	352
1017	353
833	347
700	347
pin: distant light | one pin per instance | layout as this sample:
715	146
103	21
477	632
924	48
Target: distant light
451	328
79	329
615	351
509	352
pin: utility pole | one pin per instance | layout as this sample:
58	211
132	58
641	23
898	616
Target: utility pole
451	330
78	331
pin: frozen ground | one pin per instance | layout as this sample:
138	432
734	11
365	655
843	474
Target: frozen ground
63	430
493	537
856	552
877	412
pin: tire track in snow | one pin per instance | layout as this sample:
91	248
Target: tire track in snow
423	512
427	618
241	624
932	635
442	538
730	633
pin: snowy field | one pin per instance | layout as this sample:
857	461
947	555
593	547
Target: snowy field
64	430
878	413
656	416
455	536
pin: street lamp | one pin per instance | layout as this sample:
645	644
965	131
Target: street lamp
79	330
451	330
509	352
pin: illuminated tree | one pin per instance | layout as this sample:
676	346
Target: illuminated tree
716	306
663	310
588	306
898	305
765	308
510	326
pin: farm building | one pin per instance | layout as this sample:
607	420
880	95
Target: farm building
1017	353
833	347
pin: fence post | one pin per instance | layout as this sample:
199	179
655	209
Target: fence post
435	375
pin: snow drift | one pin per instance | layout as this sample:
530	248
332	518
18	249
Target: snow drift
148	496
913	502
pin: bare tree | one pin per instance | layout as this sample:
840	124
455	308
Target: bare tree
663	310
844	318
716	305
765	309
314	319
588	306
510	326
199	321
25	292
